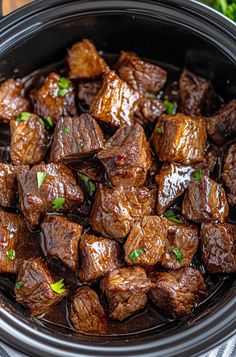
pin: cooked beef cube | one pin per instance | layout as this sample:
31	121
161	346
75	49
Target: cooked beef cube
87	91
75	138
8	182
207	166
205	201
36	292
178	292
193	93
172	180
116	102
98	257
218	243
222	125
229	174
93	169
146	240
151	109
29	141
125	290
86	312
181	245
180	138
61	240
127	156
115	209
53	100
143	76
47	188
84	61
124	59
12	101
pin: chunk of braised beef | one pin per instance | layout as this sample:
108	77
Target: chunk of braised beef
47	188
98	257
84	61
87	92
124	58
127	156
116	102
36	292
92	169
29	141
86	312
53	100
229	174
151	109
126	290
180	138
205	201
178	292
146	241
218	244
207	166
61	240
75	138
12	102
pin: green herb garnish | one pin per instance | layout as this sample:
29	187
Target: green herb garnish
170	107
58	287
109	184
62	92
178	254
48	121
80	146
58	203
19	284
160	130
170	215
41	177
41	121
152	152
64	83
24	116
197	176
66	129
11	254
135	254
91	186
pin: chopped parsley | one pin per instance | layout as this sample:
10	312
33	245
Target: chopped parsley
23	116
41	177
64	86
178	254
11	254
62	92
109	184
197	176
58	203
58	287
170	107
170	215
91	186
135	254
48	122
19	284
160	130
66	129
41	121
80	146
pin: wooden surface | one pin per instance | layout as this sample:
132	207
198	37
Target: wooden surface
10	5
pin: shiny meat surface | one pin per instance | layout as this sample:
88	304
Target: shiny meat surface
87	91
229	174
151	109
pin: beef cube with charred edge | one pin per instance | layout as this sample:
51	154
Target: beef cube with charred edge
151	109
53	100
146	240
61	240
177	292
205	201
8	182
222	125
116	102
36	292
181	245
115	209
207	166
218	243
29	141
180	138
126	290
86	312
87	92
193	93
127	156
58	191
98	257
84	61
75	138
229	174
12	101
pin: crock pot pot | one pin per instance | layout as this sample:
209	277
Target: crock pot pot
178	32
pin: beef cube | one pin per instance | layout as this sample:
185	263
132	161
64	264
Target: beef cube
98	257
143	76
146	240
84	61
218	243
8	183
36	291
205	201
116	102
172	180
193	93
47	188
61	240
222	125
229	174
86	312
12	101
180	138
124	59
181	245
126	290
115	209
75	138
56	98
127	156
151	109
87	91
178	292
207	166
29	141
